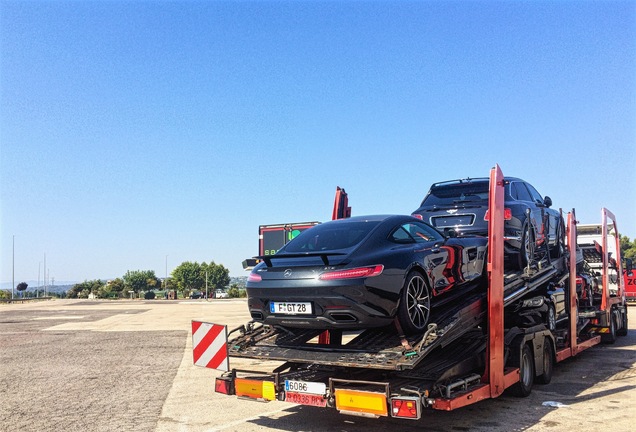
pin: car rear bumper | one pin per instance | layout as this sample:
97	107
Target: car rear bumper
332	309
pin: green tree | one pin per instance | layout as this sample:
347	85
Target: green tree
235	291
187	276
628	248
218	275
141	280
5	294
83	289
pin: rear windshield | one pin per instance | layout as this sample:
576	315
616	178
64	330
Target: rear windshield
330	236
457	193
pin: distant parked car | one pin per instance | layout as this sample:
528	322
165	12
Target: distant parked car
197	295
364	272
220	294
531	225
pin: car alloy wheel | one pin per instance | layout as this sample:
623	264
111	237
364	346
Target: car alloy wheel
551	318
415	306
526	253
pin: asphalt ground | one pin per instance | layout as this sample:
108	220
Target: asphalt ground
72	365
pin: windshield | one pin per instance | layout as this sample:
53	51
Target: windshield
330	236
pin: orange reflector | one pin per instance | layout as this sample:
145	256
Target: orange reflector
406	407
255	389
361	402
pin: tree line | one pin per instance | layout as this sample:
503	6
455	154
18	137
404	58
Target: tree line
186	278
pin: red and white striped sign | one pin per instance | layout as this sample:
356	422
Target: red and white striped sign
209	345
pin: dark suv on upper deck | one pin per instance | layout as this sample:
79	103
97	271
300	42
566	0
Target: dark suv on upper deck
531	226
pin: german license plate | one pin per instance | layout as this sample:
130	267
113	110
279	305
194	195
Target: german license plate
290	308
306	399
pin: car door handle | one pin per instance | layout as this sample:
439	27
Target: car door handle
435	250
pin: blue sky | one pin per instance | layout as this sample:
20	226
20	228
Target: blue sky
132	131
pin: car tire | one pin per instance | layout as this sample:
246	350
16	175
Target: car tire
550	318
415	303
558	250
548	363
527	250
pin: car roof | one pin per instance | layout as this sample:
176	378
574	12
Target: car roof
373	218
470	180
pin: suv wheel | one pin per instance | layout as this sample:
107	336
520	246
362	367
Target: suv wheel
526	253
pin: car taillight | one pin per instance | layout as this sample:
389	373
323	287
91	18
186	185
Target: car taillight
419	216
353	273
254	277
507	214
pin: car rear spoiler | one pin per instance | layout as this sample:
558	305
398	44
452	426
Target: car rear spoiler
323	255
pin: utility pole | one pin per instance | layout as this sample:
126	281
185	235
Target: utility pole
13	272
37	291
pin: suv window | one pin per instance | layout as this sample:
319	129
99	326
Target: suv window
519	192
457	193
536	196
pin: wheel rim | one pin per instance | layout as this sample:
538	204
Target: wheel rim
418	302
528	245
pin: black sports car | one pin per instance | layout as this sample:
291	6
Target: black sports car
363	272
532	229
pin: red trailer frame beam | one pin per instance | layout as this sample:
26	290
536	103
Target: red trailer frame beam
495	353
605	214
495	379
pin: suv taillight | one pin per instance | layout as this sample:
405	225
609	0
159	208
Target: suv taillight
507	214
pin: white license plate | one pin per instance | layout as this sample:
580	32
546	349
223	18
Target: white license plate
291	308
305	387
306	399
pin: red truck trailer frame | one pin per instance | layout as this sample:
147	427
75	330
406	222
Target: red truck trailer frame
514	358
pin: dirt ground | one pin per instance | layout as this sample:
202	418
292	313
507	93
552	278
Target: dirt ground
72	365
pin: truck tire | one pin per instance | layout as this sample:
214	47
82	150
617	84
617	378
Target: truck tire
610	338
623	330
415	304
548	363
526	373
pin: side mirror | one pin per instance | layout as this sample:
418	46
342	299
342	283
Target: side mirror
450	233
547	201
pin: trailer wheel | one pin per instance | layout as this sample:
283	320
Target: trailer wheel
610	338
548	363
415	304
623	331
526	373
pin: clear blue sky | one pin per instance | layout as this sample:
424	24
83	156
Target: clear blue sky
134	130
